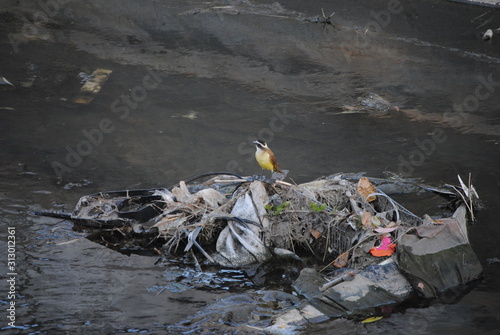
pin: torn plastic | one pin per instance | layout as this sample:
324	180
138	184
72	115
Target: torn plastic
239	243
438	256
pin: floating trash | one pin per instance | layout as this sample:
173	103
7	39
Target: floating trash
92	86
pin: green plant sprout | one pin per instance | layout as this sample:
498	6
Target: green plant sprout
276	210
317	207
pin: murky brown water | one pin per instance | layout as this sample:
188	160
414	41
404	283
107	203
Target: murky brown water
192	84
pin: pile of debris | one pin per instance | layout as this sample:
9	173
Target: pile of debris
383	253
249	220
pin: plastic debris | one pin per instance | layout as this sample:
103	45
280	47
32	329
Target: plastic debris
488	35
387	248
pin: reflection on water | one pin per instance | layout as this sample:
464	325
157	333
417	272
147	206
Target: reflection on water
229	74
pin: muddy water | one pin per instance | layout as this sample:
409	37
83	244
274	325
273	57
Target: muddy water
192	85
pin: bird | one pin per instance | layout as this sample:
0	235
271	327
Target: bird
265	157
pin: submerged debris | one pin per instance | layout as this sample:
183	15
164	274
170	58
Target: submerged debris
323	19
92	86
370	103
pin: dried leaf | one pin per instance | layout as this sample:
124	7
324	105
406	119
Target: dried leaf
372	319
365	188
342	260
464	188
366	220
316	234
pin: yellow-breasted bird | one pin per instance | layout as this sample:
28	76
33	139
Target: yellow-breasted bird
265	157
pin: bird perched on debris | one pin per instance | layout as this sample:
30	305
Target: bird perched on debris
265	157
